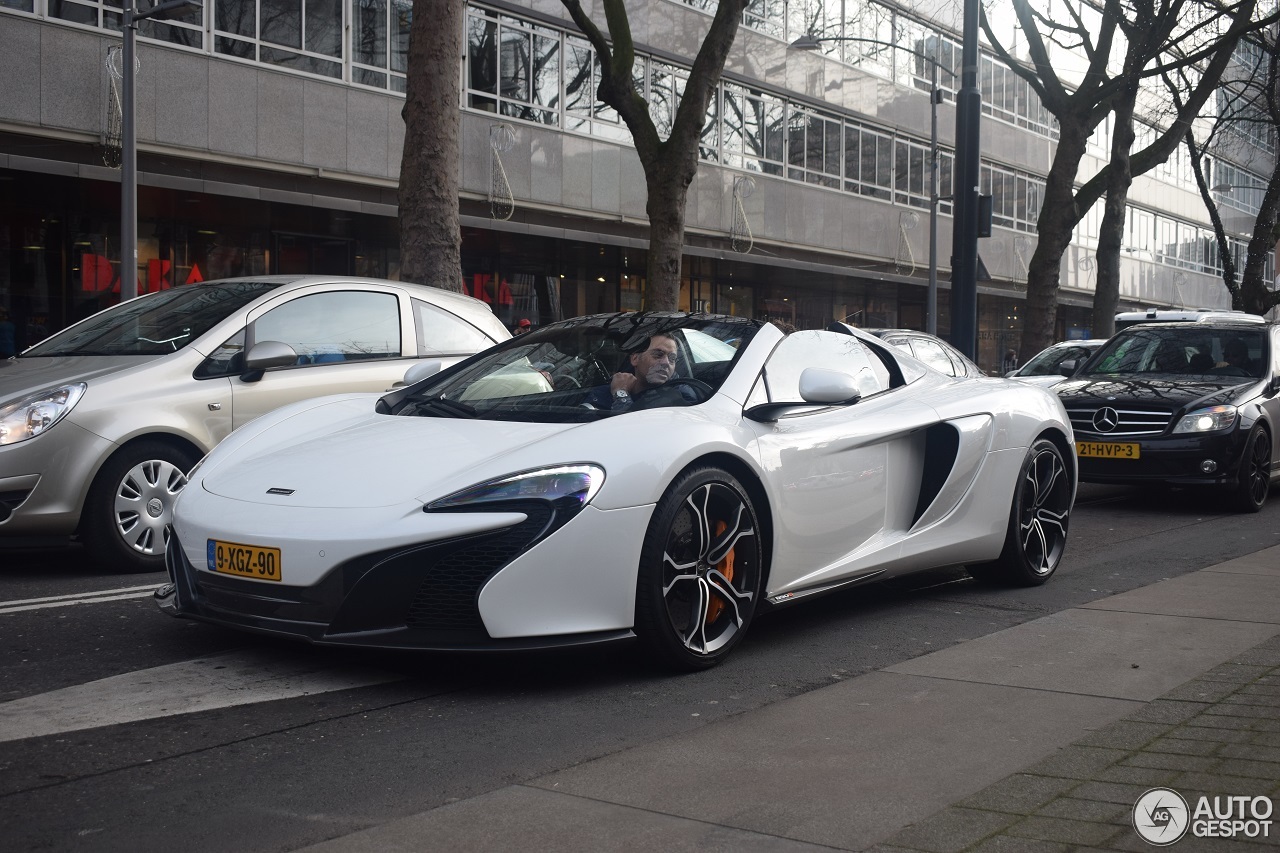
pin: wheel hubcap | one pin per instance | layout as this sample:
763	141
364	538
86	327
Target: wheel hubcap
144	504
1046	496
710	568
1259	470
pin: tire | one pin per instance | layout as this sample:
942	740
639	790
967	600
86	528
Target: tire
131	502
1038	520
1255	473
692	612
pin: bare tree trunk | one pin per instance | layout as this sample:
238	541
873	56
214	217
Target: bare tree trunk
1106	294
1215	217
666	208
1255	295
1058	216
430	233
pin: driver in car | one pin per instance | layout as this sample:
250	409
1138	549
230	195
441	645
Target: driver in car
1236	354
652	368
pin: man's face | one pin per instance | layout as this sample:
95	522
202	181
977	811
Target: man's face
657	363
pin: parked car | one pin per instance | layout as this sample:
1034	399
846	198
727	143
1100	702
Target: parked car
1125	319
933	351
1188	404
502	504
100	422
1051	364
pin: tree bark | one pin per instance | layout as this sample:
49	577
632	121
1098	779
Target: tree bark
430	230
1106	294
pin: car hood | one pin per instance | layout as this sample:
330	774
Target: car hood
1157	392
342	455
22	376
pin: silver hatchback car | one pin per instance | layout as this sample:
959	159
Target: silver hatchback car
100	423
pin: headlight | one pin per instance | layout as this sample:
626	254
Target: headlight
569	487
1207	420
30	416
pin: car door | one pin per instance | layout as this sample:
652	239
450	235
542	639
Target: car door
347	338
844	479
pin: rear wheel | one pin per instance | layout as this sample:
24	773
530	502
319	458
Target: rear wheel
131	503
700	571
1255	472
1037	532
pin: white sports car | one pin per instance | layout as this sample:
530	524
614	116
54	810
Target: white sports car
518	500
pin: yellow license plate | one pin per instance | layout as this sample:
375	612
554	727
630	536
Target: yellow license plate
245	561
1105	450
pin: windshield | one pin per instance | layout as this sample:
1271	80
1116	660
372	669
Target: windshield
155	324
562	373
1047	361
1201	351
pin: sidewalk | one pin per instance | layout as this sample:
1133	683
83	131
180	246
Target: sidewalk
1041	737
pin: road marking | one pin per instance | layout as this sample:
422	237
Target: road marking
236	678
19	605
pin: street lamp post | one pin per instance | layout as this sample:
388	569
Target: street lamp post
810	42
129	136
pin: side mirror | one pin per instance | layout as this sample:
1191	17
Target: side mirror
1275	384
829	387
265	355
422	370
1068	367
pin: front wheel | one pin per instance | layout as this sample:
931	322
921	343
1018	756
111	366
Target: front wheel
131	502
1037	532
700	571
1255	472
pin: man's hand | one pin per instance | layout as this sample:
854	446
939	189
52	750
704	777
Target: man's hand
628	382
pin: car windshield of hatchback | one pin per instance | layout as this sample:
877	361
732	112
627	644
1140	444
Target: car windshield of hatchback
562	372
155	324
1200	352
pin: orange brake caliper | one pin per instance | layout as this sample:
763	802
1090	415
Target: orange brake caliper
725	567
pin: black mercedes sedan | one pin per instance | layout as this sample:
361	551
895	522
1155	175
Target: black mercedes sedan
1186	404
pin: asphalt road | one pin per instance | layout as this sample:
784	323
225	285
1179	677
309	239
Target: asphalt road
427	729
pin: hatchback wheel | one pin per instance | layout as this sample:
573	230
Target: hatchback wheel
131	503
1255	472
1037	532
700	570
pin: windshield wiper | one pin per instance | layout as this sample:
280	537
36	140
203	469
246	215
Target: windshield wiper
442	405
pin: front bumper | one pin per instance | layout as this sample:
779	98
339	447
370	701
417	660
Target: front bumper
487	590
43	480
1174	460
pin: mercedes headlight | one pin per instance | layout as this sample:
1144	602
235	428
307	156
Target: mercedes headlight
1207	420
567	487
29	416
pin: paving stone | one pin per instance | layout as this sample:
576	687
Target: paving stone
1203	691
1091	810
1216	783
1239	673
1219	721
1019	794
1166	711
1149	776
1267	725
1265	739
1261	688
1169	761
952	829
1125	735
1264	700
1223	709
1110	792
1250	751
1261	655
1064	831
1133	843
1077	761
1194	731
1013	844
1175	745
1251	769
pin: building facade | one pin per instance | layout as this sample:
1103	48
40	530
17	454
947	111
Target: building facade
269	137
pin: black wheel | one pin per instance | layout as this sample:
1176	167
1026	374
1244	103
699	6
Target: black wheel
700	571
1037	533
1255	472
131	502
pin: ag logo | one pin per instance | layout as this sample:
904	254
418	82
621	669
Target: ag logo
1160	816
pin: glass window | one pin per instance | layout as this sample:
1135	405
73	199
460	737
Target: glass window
340	326
226	360
933	355
442	333
830	350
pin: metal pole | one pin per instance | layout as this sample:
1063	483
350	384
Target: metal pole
964	205
128	165
931	303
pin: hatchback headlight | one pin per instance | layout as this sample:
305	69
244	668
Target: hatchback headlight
569	487
1207	420
29	416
